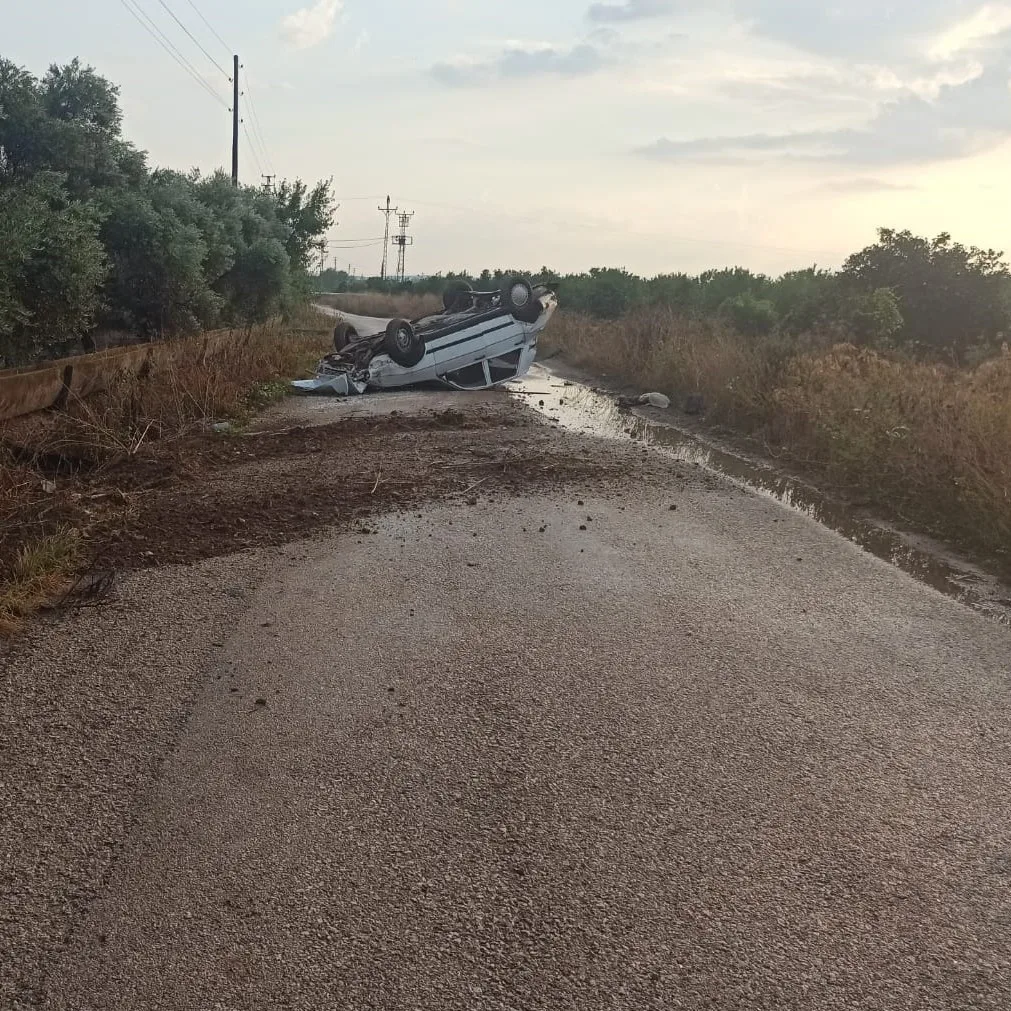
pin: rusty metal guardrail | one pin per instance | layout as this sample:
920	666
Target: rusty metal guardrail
33	388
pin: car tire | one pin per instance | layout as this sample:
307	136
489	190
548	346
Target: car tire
402	344
343	335
457	296
518	297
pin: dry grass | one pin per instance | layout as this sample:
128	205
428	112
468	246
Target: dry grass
934	441
182	392
929	444
384	306
188	389
664	351
41	571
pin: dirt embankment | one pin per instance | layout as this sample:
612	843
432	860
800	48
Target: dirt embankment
213	494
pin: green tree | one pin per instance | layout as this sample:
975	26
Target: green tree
68	122
306	215
873	318
51	266
716	286
157	238
950	296
675	291
607	292
805	299
752	316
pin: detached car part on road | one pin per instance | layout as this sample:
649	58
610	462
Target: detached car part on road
480	340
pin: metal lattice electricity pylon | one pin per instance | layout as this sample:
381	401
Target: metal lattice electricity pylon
387	211
402	241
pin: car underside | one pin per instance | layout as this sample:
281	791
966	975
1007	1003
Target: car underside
480	340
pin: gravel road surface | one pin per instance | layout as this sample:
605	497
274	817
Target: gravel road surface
568	749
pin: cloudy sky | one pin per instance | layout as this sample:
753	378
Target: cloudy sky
654	134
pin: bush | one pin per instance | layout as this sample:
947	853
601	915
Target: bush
751	316
92	237
51	267
874	318
929	443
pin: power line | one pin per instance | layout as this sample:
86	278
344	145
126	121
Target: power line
196	41
210	28
258	134
252	148
257	129
161	37
156	33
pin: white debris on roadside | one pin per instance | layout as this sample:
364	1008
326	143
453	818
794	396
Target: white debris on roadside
655	400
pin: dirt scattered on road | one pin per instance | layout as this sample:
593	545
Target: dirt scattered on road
211	495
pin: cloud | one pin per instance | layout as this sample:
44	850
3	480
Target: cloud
963	120
866	29
630	10
987	25
521	62
309	26
864	184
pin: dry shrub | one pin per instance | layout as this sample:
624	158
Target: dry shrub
37	551
934	441
929	443
42	532
405	306
39	572
674	354
187	386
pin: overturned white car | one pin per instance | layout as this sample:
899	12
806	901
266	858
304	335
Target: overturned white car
481	339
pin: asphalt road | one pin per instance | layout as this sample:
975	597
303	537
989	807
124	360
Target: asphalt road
711	757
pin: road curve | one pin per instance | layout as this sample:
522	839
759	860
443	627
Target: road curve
537	753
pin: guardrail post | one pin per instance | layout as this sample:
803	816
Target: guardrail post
63	396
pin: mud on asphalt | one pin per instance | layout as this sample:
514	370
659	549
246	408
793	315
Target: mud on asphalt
211	495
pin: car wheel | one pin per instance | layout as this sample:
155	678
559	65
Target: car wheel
518	297
343	335
402	344
457	296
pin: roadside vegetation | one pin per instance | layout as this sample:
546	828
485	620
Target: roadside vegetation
930	299
99	246
889	380
405	305
926	443
47	527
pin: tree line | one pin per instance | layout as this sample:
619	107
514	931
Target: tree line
934	298
92	239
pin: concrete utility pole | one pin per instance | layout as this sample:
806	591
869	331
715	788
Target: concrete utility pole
403	240
387	210
235	122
